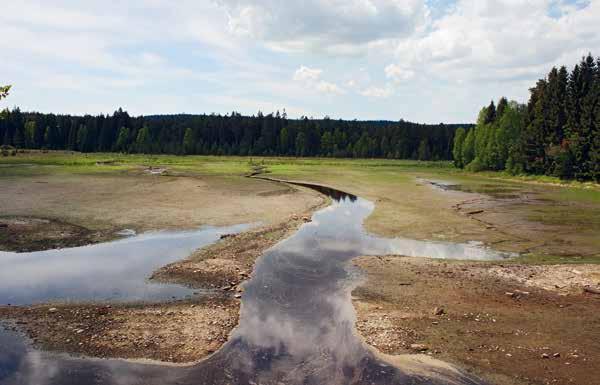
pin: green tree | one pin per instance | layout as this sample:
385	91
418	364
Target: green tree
459	139
468	150
188	141
122	143
142	142
424	152
4	91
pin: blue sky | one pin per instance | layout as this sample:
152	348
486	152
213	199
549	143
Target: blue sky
427	61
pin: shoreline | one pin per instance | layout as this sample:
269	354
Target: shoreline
223	266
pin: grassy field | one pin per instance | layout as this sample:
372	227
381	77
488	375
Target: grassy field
545	219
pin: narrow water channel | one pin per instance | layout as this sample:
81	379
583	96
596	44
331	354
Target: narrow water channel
296	323
111	271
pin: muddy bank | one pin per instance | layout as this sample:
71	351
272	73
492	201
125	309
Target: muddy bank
228	263
172	332
494	320
26	234
178	332
56	209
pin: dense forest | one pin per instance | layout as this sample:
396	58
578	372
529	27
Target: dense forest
556	133
233	134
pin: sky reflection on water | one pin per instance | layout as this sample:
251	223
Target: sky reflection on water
296	323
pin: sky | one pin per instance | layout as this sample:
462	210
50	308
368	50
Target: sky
426	61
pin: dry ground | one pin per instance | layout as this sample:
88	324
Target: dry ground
180	331
59	210
503	322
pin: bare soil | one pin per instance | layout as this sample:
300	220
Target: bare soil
64	210
178	332
494	320
25	234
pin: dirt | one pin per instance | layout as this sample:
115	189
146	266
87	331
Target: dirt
491	319
25	234
48	211
178	332
226	264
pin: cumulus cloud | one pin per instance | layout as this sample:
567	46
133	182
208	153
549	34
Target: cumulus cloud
398	74
483	39
311	78
306	74
377	92
245	51
335	26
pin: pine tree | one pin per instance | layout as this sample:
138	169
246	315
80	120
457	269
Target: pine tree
142	142
490	113
188	141
122	140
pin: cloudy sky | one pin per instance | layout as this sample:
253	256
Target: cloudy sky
420	60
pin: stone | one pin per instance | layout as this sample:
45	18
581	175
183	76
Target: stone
52	310
419	347
439	311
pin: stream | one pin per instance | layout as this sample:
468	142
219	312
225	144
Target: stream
296	323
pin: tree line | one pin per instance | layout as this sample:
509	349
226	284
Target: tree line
233	134
556	133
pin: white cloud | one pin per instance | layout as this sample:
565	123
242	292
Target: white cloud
329	88
377	92
311	78
335	26
460	52
485	39
306	74
398	74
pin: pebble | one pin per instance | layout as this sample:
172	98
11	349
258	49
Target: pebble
419	347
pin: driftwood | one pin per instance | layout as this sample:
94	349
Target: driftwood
591	290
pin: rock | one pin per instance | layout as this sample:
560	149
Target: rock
306	219
556	355
419	347
545	356
475	212
52	310
509	294
238	296
439	311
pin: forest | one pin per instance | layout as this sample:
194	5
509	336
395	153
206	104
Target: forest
556	133
234	134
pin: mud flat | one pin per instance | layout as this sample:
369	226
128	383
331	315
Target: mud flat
58	208
177	331
511	324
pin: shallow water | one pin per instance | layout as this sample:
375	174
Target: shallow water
112	271
296	322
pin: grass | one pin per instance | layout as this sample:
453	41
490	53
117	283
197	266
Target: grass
403	205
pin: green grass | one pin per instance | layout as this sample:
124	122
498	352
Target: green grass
574	205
